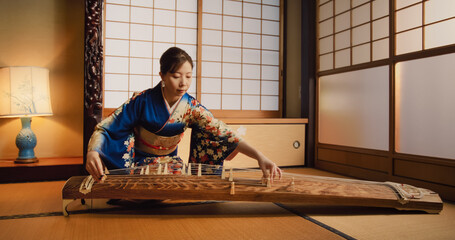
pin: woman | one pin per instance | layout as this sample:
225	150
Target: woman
147	128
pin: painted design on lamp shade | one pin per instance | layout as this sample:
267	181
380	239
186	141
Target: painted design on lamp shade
24	91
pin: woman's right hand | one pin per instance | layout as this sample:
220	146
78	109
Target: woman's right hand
94	165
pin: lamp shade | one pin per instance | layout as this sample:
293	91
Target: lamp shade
24	91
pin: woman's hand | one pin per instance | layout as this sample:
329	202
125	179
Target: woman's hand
94	165
269	168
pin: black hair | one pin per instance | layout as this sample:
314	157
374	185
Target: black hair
173	59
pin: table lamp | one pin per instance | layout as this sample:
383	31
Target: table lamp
24	93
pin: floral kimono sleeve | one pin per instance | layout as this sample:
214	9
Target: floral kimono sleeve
212	141
113	137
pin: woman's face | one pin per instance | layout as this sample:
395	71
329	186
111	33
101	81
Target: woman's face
176	84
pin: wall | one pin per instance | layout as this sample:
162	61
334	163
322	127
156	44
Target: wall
50	34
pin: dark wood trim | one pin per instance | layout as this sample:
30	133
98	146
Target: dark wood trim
351	171
308	77
354	149
424	159
47	169
425	53
356	67
359	160
93	68
428	172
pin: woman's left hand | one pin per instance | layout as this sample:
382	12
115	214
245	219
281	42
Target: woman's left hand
269	168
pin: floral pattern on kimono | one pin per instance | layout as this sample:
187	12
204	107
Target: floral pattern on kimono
114	138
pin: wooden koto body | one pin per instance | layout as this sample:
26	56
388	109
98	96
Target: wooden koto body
246	186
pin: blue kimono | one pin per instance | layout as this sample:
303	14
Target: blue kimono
143	131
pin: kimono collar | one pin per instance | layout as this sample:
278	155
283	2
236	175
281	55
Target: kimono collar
170	109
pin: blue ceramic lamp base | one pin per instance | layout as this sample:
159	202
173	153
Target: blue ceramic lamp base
26	142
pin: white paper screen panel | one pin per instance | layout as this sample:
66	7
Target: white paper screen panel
425	103
137	32
240	55
354	109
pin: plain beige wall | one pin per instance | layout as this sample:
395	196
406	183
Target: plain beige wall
293	58
50	34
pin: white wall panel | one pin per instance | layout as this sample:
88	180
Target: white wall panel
116	47
232	70
187	5
232	23
213	6
232	8
140	83
251	56
354	108
114	99
166	4
138	32
115	82
409	41
381	49
231	102
142	15
211	21
425	106
142	3
409	18
250	71
251	10
140	66
251	87
440	34
185	35
232	86
164	34
116	65
361	15
185	19
118	13
232	54
211	85
232	39
270	12
211	101
251	40
141	49
269	103
117	30
251	102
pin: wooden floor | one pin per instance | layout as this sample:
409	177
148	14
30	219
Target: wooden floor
34	211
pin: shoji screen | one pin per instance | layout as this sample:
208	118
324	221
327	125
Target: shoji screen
426	106
424	25
137	32
354	109
352	32
240	55
385	90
